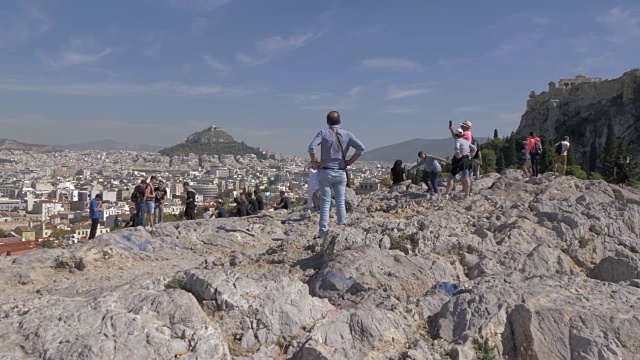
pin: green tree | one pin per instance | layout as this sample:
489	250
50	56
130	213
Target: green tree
571	156
593	157
495	133
510	154
610	150
489	160
548	155
3	233
576	171
500	164
166	217
386	182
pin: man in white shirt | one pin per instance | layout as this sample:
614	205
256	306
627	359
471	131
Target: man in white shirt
561	149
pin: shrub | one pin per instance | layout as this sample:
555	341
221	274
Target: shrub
49	244
595	176
176	283
577	171
397	241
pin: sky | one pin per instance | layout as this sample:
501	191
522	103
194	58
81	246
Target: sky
268	71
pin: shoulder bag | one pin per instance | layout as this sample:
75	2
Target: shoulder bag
343	158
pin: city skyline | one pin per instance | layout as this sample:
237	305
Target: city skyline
153	72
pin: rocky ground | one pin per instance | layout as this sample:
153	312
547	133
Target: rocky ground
547	268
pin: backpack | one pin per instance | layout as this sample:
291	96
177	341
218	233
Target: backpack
559	149
138	194
537	147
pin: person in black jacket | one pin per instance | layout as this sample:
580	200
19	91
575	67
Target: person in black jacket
240	209
189	202
259	199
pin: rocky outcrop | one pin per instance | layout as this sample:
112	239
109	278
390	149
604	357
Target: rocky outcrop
525	269
583	113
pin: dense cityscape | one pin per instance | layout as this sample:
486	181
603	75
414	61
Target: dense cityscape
45	195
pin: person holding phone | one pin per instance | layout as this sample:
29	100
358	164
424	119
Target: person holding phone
95	206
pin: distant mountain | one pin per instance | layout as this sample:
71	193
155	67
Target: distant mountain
6	144
212	141
407	151
109	145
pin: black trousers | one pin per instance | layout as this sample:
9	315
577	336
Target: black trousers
189	213
94	228
535	163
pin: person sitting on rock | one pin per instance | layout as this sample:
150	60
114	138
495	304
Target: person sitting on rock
221	212
284	203
398	175
259	199
240	210
252	209
207	214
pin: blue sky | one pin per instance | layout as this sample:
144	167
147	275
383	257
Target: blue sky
268	71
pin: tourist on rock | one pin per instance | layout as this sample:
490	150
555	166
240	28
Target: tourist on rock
432	171
132	219
534	148
620	171
476	161
95	206
524	160
189	202
561	148
240	210
150	199
284	203
259	199
332	164
138	198
461	163
207	214
252	209
312	185
398	175
221	212
161	195
466	130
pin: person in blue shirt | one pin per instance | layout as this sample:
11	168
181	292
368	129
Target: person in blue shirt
95	205
332	166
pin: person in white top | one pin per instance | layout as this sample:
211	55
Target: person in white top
561	149
313	185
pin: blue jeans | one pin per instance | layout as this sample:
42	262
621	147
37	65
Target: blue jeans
141	210
432	181
336	181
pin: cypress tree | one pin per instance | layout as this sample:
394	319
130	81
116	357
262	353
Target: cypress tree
500	162
593	157
548	155
495	133
511	155
571	156
610	149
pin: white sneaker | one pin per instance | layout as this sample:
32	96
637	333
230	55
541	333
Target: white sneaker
445	197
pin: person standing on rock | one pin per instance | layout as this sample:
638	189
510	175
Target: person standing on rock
525	159
95	206
534	148
189	202
466	130
620	172
150	199
161	195
562	148
461	163
312	185
332	165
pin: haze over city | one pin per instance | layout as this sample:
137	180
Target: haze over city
153	72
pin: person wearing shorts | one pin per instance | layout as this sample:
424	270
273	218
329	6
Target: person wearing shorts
461	163
561	158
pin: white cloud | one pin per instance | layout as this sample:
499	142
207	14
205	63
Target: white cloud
205	5
312	96
623	23
214	64
355	91
394	92
591	63
71	58
391	63
161	88
406	110
27	22
152	43
198	26
454	61
187	68
270	47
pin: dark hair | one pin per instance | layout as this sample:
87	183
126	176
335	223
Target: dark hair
99	196
566	138
249	195
186	183
153	177
282	192
620	157
397	164
420	154
532	134
256	191
333	118
207	209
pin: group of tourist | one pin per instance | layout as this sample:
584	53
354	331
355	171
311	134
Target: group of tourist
149	197
531	154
